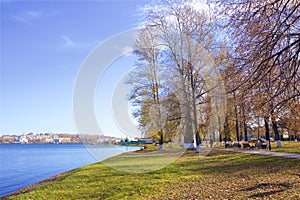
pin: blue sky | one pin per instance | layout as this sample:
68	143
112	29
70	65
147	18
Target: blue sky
43	45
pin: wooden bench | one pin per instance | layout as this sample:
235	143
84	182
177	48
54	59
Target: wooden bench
246	145
236	145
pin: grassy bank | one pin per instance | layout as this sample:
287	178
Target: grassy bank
219	175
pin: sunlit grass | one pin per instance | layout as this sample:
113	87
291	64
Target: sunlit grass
145	161
220	175
287	147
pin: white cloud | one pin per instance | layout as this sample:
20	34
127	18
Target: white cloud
30	16
199	5
33	14
68	43
154	7
127	49
22	19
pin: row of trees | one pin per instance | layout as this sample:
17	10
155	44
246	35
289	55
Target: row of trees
188	51
262	78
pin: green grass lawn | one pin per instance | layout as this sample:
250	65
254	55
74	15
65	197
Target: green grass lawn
287	147
220	175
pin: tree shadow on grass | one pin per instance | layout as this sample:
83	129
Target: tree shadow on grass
227	165
230	163
267	189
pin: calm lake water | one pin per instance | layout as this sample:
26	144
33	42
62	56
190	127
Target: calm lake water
22	165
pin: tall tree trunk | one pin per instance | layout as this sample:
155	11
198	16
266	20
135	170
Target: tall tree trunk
267	132
198	142
159	122
237	129
195	120
241	130
275	129
245	130
226	130
236	119
258	128
219	123
220	130
245	123
161	140
188	134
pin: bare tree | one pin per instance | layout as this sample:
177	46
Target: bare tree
265	49
147	87
266	37
185	32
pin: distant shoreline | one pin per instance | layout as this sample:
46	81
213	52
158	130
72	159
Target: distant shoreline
40	143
